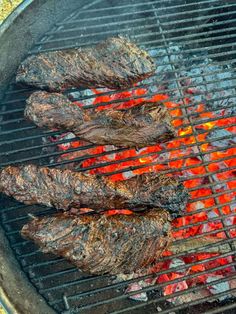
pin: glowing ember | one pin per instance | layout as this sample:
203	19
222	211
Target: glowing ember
193	157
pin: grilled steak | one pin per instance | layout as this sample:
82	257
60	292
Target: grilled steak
114	63
100	244
65	189
140	126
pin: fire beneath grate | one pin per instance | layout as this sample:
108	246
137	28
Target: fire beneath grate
195	80
204	146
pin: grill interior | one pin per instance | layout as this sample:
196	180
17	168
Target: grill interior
193	40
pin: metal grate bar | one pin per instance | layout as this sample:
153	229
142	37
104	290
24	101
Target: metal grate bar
192	303
31	127
174	229
12	101
162	259
183	38
222	309
122	284
46	263
146	97
195	224
188	214
99	165
32	137
82	9
194	131
195	19
164	91
213	189
173	39
60	259
170	31
182	254
136	5
214	194
148	42
224	228
164	171
79	281
146	289
54	282
198	236
183	116
152	10
218	63
117	150
60	273
51	145
18	90
12	111
27	128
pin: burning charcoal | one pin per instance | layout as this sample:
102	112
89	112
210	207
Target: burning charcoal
115	63
175	287
141	296
143	125
214	134
65	189
100	244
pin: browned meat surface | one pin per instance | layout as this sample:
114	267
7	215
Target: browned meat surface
140	126
100	244
114	63
65	189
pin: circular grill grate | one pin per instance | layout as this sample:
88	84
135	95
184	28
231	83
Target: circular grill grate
194	46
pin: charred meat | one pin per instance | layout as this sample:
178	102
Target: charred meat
65	189
100	244
140	126
114	63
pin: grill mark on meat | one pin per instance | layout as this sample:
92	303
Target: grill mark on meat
115	63
65	189
146	124
113	244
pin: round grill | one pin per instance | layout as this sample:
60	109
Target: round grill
193	45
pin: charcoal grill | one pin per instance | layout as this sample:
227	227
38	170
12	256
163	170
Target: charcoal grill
193	39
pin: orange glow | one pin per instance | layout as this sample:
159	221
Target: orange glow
177	155
209	125
118	212
186	131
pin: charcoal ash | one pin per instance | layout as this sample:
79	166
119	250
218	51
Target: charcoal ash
219	287
220	185
213	136
137	286
85	96
232	110
199	77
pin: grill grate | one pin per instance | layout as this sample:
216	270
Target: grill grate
194	39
